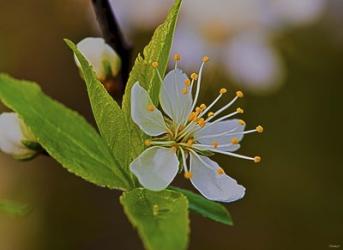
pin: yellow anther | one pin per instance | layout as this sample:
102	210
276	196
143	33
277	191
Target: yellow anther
205	59
194	76
239	94
241	122
203	106
150	107
184	91
154	65
201	122
187	82
259	129
188	175
210	114
222	91
215	144
220	171
240	110
147	142
257	159
234	140
177	57
192	116
190	142
198	110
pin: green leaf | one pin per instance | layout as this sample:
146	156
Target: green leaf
63	133
14	208
157	50
107	113
160	217
206	208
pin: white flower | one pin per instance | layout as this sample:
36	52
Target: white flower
181	138
105	61
14	135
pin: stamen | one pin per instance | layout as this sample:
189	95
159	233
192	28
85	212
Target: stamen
192	116
203	106
223	91
201	122
184	91
187	82
259	129
210	114
177	57
234	141
154	65
188	175
174	148
198	110
223	108
241	122
220	171
257	159
194	76
150	107
147	142
198	84
190	143
239	94
205	59
215	144
240	110
254	159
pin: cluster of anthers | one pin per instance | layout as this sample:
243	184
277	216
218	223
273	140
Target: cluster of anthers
184	137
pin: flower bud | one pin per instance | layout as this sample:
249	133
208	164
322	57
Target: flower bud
16	138
105	61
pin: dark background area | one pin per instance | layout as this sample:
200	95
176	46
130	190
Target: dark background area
294	198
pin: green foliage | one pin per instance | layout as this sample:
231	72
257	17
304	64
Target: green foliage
14	208
157	50
63	133
160	217
206	208
107	113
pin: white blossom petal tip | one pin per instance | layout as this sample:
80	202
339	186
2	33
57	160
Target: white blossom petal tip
188	133
13	135
156	167
105	61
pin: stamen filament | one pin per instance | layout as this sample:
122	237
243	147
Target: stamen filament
211	105
198	85
230	132
229	154
223	108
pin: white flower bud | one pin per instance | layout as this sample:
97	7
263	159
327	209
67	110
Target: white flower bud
105	61
15	137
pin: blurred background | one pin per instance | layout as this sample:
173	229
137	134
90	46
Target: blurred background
287	55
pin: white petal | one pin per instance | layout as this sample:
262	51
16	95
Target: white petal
155	168
98	54
176	104
211	185
218	128
151	122
253	62
11	136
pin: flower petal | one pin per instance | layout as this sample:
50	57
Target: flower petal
11	137
155	168
214	134
144	113
214	186
175	102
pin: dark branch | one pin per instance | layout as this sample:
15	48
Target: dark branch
114	37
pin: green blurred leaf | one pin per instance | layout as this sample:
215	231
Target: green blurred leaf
63	133
157	50
206	208
160	217
107	113
14	208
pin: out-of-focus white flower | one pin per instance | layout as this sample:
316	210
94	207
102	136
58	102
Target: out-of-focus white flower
15	137
105	61
252	62
214	25
182	139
